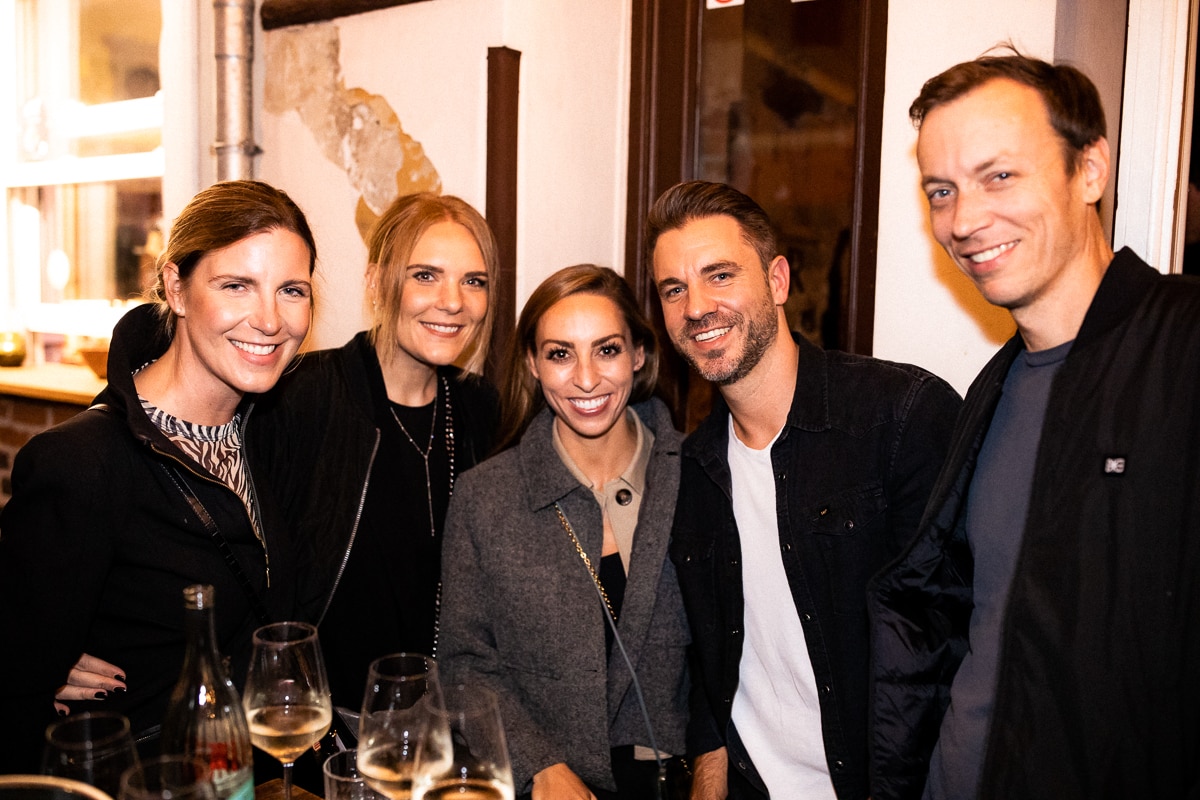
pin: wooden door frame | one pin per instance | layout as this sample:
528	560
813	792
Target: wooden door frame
665	69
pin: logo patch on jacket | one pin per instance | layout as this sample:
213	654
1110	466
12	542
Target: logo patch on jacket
1114	465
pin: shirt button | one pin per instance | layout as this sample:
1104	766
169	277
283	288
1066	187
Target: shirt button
827	688
849	524
807	617
839	765
735	631
624	497
787	547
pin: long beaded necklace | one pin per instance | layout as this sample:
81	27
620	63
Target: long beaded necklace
424	454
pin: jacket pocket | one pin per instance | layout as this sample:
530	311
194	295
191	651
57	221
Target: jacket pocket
849	512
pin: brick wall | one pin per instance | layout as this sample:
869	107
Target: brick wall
20	419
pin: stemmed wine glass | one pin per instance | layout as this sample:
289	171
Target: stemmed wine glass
94	747
473	760
400	709
287	694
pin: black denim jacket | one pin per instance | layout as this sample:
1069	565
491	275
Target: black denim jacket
854	465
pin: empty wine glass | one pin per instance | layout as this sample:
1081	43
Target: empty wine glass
472	762
402	696
287	694
168	778
94	747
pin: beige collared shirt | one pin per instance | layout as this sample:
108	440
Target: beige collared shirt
621	498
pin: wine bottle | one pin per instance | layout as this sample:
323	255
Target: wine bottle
204	716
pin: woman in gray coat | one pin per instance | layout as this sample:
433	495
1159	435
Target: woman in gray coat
563	532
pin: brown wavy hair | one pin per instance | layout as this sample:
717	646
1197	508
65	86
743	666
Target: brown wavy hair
521	394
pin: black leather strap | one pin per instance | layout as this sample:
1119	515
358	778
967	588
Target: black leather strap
219	539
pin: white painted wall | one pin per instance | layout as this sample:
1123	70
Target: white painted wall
926	311
429	60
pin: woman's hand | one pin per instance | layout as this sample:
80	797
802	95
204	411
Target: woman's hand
558	782
90	679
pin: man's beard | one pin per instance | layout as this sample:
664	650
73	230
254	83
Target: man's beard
760	333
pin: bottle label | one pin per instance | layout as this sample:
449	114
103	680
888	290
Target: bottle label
237	785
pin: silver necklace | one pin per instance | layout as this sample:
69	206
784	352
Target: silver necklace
424	454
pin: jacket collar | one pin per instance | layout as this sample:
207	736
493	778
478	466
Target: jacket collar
548	480
1125	283
809	410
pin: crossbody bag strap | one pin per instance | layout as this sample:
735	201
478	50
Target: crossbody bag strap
562	518
219	540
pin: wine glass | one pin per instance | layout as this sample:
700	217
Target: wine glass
94	747
472	762
399	710
168	778
287	694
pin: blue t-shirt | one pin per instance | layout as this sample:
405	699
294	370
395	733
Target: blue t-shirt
997	505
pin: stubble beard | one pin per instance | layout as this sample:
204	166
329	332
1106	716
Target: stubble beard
721	367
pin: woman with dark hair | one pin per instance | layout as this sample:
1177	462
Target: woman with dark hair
115	511
364	442
526	610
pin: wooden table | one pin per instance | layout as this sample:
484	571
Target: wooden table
273	790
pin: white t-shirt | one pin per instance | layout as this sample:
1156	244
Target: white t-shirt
776	709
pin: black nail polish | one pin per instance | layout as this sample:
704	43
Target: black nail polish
62	713
118	690
101	695
119	677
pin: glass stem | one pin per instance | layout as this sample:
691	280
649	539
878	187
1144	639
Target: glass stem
287	780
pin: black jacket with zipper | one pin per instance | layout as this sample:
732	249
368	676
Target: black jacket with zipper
321	431
97	545
1098	685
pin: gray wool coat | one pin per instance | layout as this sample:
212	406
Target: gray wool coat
521	615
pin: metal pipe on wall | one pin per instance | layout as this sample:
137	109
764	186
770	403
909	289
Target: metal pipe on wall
234	147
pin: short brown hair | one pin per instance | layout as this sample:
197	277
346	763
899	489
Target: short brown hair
521	395
220	216
1072	101
685	202
389	249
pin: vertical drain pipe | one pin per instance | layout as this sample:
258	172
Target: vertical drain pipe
234	148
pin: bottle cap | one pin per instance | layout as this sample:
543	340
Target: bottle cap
198	597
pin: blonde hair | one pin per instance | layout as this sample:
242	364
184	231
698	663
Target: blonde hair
389	251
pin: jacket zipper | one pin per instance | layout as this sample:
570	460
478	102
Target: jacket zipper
362	500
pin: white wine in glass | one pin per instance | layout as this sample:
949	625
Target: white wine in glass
399	711
471	763
287	694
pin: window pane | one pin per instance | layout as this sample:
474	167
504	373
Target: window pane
777	113
86	241
87	72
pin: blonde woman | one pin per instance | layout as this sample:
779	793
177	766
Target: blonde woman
367	440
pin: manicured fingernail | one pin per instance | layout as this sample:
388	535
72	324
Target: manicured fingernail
62	713
101	695
118	690
119	677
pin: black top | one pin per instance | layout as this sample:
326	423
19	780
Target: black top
355	493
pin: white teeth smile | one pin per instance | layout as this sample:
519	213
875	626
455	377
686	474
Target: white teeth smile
992	252
256	349
442	328
590	403
713	334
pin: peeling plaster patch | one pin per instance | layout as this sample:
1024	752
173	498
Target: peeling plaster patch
358	131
